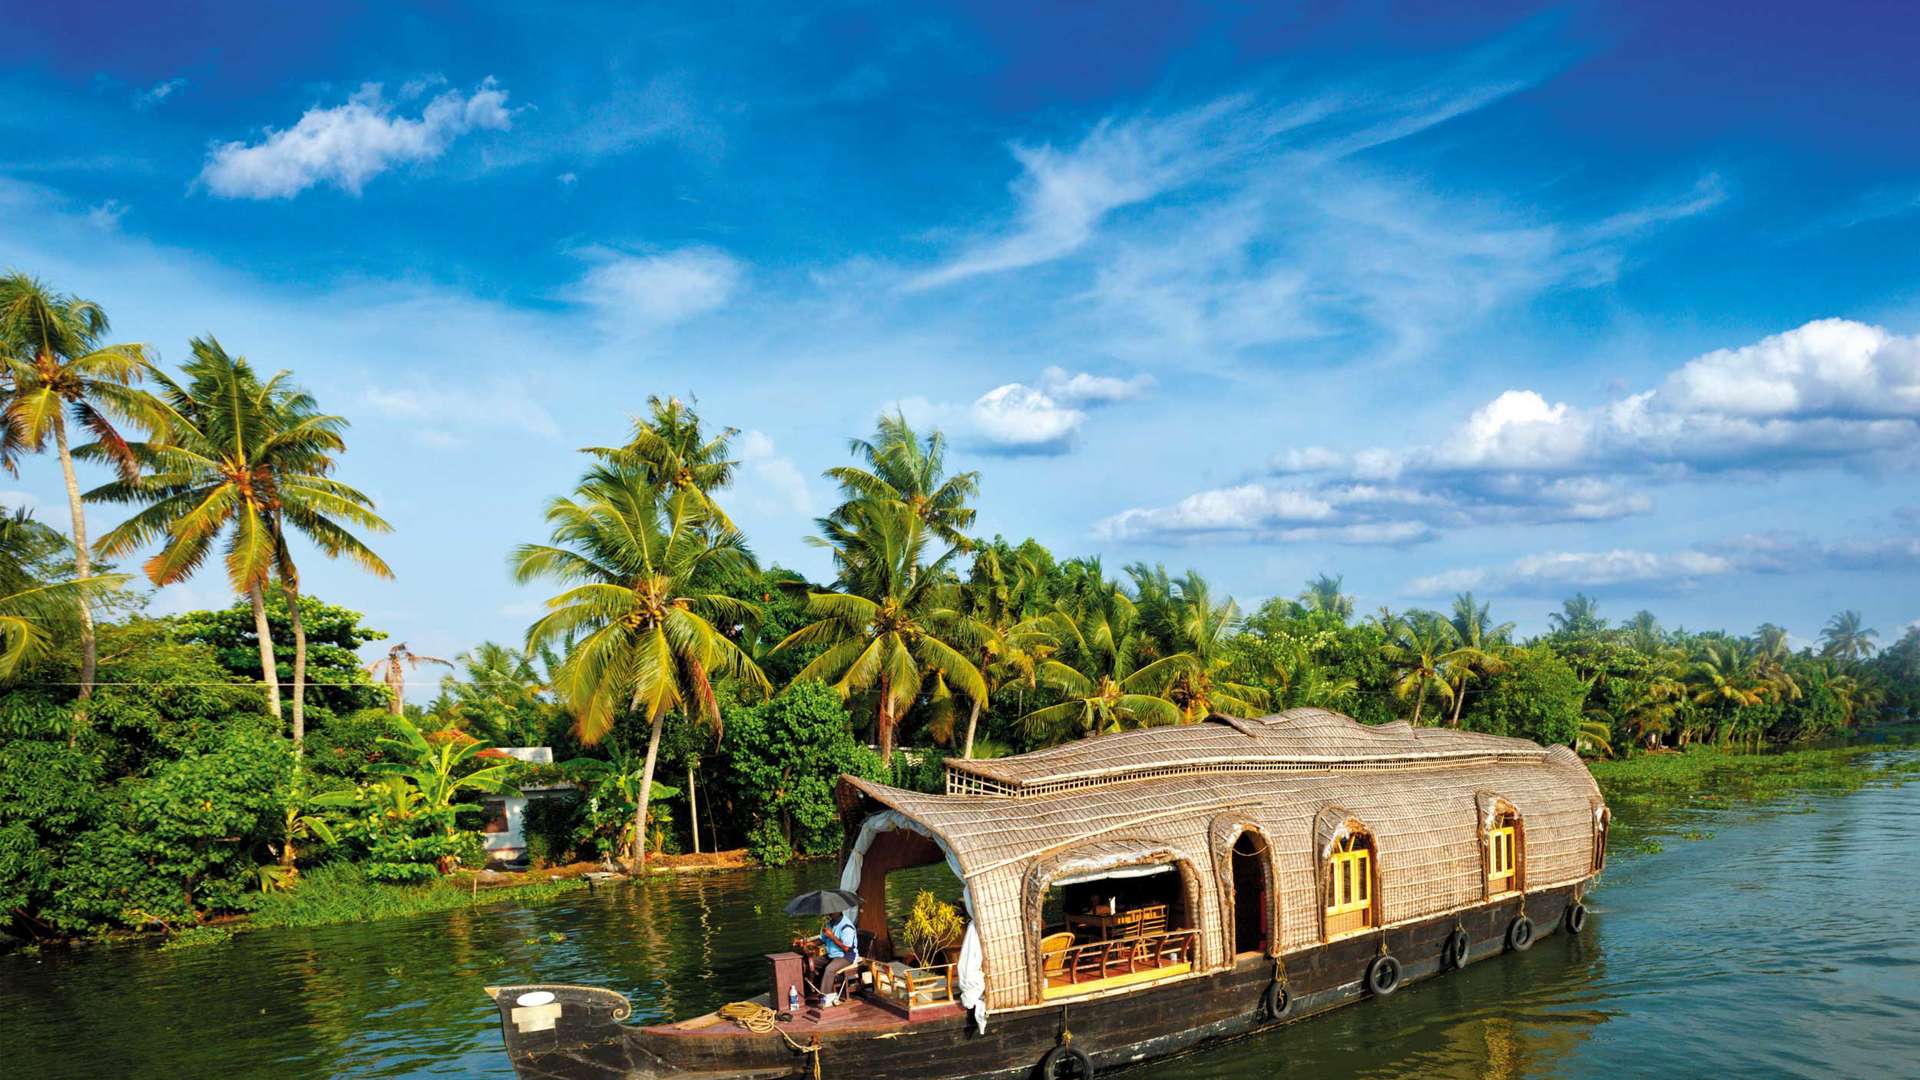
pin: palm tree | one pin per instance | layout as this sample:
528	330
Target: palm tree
903	468
1644	633
1479	649
1105	691
677	455
895	620
1181	623
55	365
1579	614
32	609
392	669
1416	653
1846	639
233	452
503	695
1724	679
1323	594
1009	648
643	634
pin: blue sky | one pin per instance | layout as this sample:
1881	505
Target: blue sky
1622	298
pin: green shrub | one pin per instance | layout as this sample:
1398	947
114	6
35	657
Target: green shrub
1540	697
783	758
549	826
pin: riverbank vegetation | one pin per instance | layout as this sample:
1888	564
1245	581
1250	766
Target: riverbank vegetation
157	772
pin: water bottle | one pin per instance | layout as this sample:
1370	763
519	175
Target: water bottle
793	999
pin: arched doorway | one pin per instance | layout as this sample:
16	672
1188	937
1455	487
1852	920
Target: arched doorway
1252	895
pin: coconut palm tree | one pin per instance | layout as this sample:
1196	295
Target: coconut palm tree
909	470
677	454
643	633
392	669
895	620
32	609
55	367
1644	633
1323	594
1416	653
1008	648
1096	673
1724	679
248	458
1182	623
1479	648
1846	639
1579	614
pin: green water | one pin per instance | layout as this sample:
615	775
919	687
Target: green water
1779	942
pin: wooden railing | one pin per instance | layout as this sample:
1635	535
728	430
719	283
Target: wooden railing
911	987
1099	960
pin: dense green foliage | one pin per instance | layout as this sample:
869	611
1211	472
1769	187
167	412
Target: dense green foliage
781	759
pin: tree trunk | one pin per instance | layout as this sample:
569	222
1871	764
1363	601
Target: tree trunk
83	569
646	790
885	723
396	686
268	671
693	809
1459	700
299	667
1419	703
972	720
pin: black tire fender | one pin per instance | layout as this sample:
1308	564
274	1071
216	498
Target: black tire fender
1277	1002
1455	953
1576	918
1520	934
1074	1062
1383	975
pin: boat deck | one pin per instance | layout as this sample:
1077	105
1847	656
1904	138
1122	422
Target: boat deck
856	1014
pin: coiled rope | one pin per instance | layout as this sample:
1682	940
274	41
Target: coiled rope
759	1019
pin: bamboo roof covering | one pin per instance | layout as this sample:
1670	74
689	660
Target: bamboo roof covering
1183	795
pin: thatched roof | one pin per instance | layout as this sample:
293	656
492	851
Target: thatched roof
1297	737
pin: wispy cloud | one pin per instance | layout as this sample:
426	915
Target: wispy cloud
1042	418
658	289
441	410
347	145
158	93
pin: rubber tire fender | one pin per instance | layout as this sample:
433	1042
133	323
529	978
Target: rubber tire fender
1276	1001
1059	1055
1576	918
1383	975
1520	934
1455	953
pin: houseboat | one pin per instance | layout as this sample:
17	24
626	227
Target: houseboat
1137	895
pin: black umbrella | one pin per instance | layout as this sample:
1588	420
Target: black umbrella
823	902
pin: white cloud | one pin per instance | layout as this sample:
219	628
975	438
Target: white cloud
499	403
107	215
1558	570
348	145
1832	393
767	481
659	289
1019	418
158	93
1082	388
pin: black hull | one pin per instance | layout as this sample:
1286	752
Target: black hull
589	1041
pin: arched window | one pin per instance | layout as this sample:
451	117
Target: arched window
1349	888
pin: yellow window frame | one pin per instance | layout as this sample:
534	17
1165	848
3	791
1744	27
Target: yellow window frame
1351	886
1500	854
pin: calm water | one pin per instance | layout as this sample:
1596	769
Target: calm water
1779	941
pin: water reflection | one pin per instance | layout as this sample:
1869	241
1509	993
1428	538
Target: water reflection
1781	945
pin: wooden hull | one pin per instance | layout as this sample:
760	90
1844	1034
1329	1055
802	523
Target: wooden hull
588	1041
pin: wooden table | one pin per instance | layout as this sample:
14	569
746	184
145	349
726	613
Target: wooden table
1118	925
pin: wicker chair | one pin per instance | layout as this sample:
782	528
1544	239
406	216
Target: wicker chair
1053	955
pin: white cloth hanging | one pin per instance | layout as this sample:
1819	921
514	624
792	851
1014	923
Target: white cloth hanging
973	976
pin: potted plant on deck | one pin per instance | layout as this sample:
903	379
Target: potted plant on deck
932	931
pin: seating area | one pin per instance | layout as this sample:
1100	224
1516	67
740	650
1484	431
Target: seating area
1070	967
